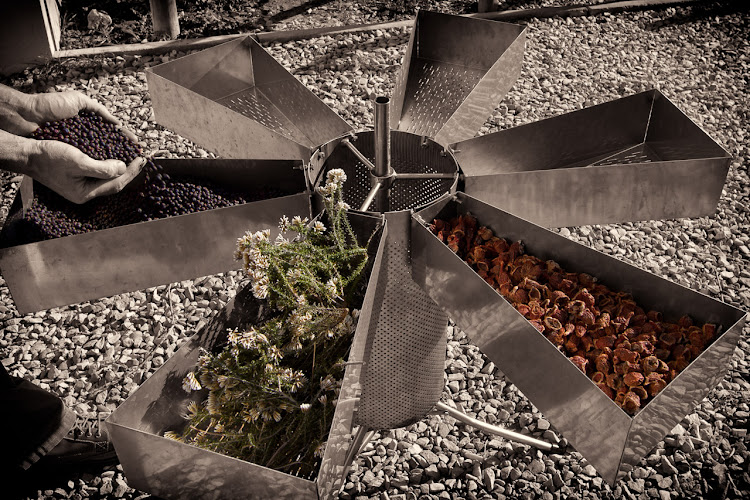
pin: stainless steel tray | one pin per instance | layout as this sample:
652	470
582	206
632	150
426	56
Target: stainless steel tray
635	158
88	266
170	469
242	104
608	438
455	72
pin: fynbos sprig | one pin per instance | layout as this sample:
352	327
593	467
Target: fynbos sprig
273	389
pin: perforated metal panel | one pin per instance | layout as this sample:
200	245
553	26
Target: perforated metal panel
641	153
405	351
255	105
437	90
409	154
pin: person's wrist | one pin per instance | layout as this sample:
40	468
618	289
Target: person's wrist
32	150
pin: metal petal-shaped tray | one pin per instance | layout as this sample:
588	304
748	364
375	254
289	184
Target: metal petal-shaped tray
242	103
88	266
455	71
634	158
170	469
609	438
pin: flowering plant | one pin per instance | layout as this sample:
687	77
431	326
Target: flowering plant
273	388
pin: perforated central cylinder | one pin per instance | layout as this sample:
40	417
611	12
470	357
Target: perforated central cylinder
409	154
402	374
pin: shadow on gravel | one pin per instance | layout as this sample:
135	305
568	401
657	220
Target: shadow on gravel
64	480
294	8
701	11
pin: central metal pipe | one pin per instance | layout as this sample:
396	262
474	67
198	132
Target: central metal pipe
382	153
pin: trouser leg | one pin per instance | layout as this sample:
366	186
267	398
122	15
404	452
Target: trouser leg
33	419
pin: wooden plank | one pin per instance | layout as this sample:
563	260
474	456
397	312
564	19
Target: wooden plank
202	43
303	34
51	13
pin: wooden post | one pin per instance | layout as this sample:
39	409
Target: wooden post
164	17
486	6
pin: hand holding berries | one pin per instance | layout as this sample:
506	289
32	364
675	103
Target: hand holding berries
75	175
76	153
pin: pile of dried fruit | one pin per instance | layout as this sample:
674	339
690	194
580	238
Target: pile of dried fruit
631	354
159	195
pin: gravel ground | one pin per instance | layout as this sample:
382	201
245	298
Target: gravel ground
96	353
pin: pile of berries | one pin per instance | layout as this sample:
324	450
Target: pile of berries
158	195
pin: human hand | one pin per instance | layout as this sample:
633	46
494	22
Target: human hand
75	175
32	110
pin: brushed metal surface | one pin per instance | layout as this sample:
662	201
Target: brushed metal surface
87	266
454	73
242	102
606	436
169	469
635	158
680	397
466	121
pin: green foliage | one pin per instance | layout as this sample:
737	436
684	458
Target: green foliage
273	388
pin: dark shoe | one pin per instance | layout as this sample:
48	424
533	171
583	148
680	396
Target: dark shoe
87	444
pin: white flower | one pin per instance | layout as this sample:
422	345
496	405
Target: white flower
326	383
336	176
284	223
318	227
342	205
261	262
297	220
190	383
260	291
258	236
327	190
301	300
305	406
254	254
332	287
274	353
293	274
258	276
234	337
280	240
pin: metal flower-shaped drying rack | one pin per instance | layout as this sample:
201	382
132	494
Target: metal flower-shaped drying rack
634	158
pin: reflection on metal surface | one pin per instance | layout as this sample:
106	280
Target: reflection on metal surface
455	71
243	103
634	158
405	353
170	469
89	266
494	429
606	436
